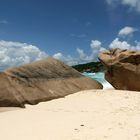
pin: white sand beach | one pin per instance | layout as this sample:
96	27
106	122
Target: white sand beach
86	115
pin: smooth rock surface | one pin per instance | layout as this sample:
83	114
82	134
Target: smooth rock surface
122	68
41	81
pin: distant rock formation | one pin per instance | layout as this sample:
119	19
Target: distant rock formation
89	67
41	81
122	68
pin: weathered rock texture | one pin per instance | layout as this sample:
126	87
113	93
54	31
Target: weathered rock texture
41	81
122	68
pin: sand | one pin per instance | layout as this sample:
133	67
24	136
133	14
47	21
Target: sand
86	115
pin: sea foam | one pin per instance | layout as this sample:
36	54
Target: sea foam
99	76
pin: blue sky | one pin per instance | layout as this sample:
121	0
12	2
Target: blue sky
74	31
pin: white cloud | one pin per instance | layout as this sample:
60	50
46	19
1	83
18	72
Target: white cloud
116	43
66	59
16	53
58	55
110	1
95	49
102	49
82	56
137	46
127	31
81	53
133	4
95	44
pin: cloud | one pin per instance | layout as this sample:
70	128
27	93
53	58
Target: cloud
95	44
82	56
96	47
16	53
110	1
81	53
58	55
136	47
127	31
133	4
102	49
3	22
66	59
116	43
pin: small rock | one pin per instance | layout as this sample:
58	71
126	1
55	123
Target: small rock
81	125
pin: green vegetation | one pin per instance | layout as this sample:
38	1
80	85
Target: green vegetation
89	67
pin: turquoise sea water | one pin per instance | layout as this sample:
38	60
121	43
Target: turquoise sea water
99	76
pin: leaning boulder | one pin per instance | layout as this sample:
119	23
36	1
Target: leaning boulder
122	68
41	81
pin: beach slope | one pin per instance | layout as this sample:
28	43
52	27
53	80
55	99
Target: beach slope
86	115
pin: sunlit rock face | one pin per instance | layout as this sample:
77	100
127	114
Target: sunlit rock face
41	81
122	68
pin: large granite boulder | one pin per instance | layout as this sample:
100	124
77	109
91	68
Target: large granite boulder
41	81
122	68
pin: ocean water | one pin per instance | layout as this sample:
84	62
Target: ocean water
99	76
